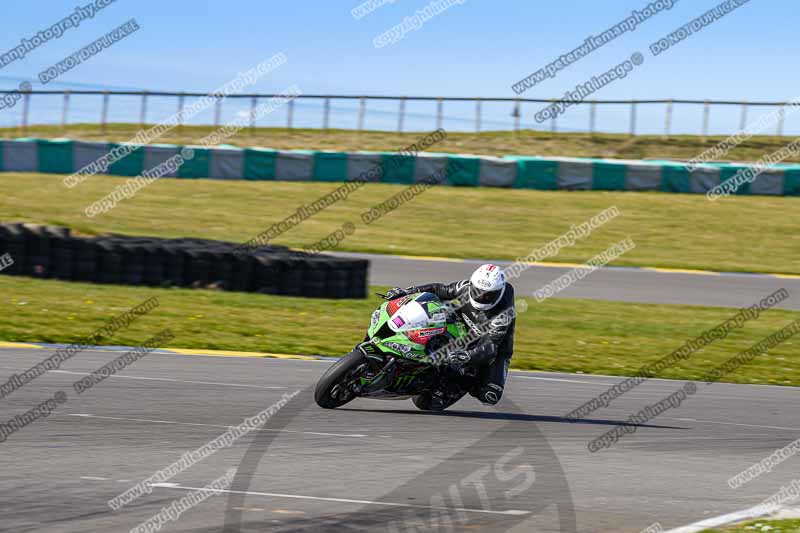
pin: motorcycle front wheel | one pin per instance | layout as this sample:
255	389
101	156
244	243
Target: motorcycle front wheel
333	387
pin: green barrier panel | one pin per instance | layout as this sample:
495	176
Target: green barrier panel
463	171
330	166
609	176
398	168
675	178
791	182
259	164
198	166
130	165
55	156
726	172
537	174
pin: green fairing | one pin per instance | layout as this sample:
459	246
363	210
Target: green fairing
417	351
390	364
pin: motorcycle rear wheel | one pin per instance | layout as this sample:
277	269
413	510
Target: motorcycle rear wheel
330	392
425	401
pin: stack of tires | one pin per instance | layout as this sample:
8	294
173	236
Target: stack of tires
53	252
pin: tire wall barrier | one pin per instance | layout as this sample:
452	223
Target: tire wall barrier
64	156
53	252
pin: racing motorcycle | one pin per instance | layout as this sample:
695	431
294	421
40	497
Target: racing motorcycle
400	356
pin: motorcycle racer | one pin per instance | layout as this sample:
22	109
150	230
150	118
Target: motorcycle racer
485	303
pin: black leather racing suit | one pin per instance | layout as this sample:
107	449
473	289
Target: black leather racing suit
491	331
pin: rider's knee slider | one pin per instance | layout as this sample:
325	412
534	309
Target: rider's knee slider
491	394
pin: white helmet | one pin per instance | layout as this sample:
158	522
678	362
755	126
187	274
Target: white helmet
486	286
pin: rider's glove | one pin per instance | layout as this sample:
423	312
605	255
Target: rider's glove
458	359
394	292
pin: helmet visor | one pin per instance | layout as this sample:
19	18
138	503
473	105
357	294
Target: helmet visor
484	297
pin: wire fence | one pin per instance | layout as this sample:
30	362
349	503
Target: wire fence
393	113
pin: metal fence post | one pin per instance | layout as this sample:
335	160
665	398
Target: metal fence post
553	125
290	114
668	120
633	118
478	115
362	109
781	119
592	117
439	112
706	113
143	110
26	102
517	113
253	104
181	100
401	114
743	119
104	112
217	110
65	111
326	114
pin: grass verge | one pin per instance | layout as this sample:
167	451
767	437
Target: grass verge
526	142
758	526
756	234
558	335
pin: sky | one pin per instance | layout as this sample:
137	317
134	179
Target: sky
472	48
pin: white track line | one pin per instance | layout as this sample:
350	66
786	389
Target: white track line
85	415
733	424
604	383
785	388
175	380
511	512
730	518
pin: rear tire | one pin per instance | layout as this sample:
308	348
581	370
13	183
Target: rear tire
426	402
423	401
326	394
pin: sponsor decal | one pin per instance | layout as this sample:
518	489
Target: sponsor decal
396	304
431	332
404	380
501	320
422	336
376	316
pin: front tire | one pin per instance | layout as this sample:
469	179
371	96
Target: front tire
330	392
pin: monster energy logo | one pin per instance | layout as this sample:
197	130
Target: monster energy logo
404	380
